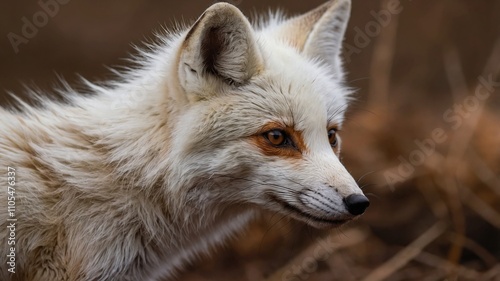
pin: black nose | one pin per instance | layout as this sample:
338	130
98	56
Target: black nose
356	203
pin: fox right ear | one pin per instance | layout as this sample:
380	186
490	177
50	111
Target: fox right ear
220	46
319	33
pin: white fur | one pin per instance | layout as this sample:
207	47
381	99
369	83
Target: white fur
159	167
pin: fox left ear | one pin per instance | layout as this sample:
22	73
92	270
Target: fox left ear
320	32
220	48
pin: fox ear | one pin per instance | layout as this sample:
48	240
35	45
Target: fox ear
220	45
320	32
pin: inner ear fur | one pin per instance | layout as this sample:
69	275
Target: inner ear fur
221	44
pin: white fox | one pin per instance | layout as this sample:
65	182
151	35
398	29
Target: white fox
232	118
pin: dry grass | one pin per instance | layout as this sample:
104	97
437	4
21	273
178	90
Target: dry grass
440	222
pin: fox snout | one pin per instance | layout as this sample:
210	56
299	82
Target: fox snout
356	203
326	205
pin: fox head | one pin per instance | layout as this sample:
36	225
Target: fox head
262	109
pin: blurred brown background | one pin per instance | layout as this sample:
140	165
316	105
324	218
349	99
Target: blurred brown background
435	210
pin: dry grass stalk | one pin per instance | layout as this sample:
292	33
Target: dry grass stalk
407	254
484	210
445	265
454	73
491	275
433	198
461	142
483	172
382	61
493	63
318	250
489	259
454	203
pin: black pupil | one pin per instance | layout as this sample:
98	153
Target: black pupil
331	134
276	135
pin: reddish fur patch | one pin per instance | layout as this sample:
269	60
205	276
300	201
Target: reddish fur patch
270	150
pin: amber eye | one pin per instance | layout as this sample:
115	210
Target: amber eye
276	137
332	137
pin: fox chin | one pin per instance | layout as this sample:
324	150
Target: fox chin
217	121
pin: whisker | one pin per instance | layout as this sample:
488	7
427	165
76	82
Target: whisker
359	79
262	183
271	227
372	195
367	185
366	174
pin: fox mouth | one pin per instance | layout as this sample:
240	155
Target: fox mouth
300	213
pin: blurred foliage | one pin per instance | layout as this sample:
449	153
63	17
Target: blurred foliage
437	220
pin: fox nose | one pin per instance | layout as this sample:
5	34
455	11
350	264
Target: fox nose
356	203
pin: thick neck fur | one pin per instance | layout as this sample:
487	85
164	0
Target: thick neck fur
129	175
119	171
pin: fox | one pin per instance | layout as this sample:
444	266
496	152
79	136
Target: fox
216	123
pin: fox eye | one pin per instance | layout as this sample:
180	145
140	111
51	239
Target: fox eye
332	137
276	137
